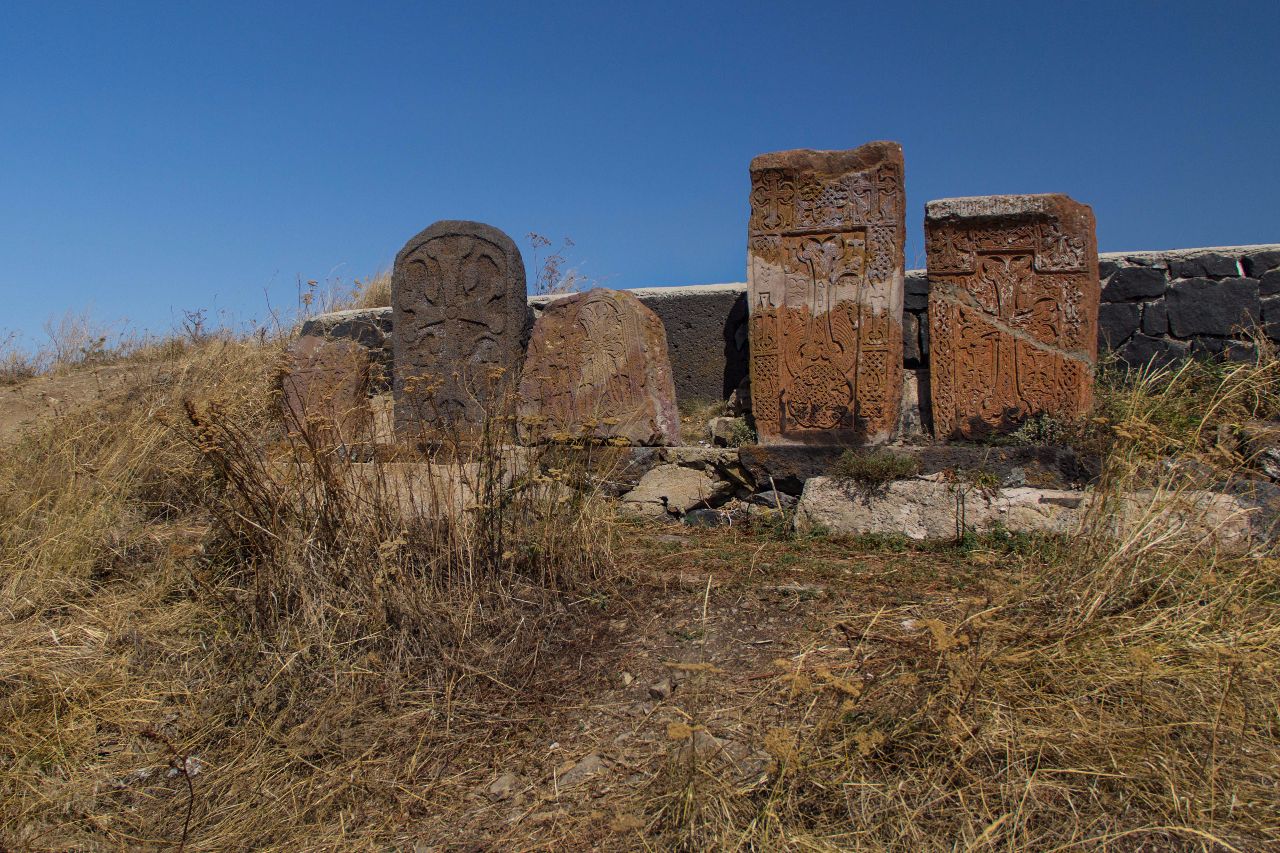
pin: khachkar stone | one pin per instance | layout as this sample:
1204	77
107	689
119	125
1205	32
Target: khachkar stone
458	314
598	368
825	272
1013	310
325	390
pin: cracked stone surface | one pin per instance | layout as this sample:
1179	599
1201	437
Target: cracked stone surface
1013	311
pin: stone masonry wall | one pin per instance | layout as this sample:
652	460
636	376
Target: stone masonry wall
1161	306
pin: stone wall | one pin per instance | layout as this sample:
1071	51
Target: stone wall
1155	305
1165	306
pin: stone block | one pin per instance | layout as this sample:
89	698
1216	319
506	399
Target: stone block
1201	306
826	278
1106	269
1256	264
674	489
1149	259
597	367
773	499
369	327
325	390
727	431
1271	317
1203	264
1228	349
788	468
916	419
706	337
1269	284
931	509
923	509
1013	311
1155	318
1116	322
459	313
915	291
1133	284
910	340
1142	350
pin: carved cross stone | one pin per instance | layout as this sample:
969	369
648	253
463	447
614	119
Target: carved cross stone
598	368
1013	311
458	311
825	272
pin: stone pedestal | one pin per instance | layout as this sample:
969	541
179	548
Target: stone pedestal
1013	311
825	277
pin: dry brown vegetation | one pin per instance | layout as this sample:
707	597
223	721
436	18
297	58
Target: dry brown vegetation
206	642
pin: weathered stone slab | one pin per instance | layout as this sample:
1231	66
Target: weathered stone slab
788	468
931	508
370	328
597	367
1013	311
825	278
325	390
458	310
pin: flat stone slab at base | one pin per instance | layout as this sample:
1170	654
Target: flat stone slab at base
787	468
927	509
420	489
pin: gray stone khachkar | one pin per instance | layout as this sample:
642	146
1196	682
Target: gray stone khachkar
597	367
325	390
825	279
458	310
1013	311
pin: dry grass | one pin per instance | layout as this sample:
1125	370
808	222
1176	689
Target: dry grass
217	632
18	364
372	292
205	642
1102	693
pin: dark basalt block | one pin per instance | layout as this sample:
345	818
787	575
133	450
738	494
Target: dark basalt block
1134	283
787	468
1202	306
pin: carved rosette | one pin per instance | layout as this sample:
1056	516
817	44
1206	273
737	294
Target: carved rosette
458	309
598	368
825	272
1013	311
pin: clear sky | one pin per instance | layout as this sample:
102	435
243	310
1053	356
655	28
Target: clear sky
163	156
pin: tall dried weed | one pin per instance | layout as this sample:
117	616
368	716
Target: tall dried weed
218	631
1118	691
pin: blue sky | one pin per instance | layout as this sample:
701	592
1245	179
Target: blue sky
157	157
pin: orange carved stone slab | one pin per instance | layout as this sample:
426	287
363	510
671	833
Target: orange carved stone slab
325	390
1013	311
458	310
597	367
825	273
